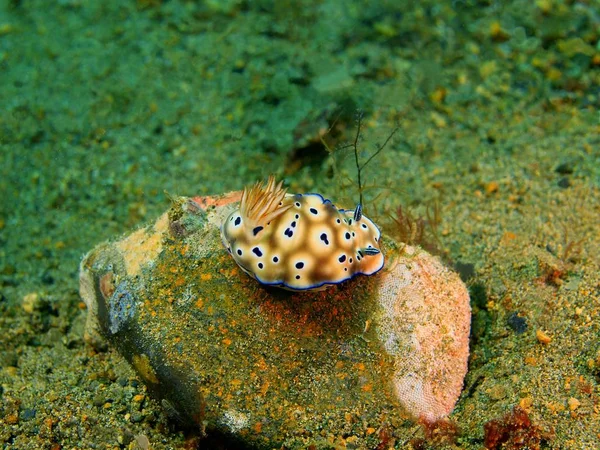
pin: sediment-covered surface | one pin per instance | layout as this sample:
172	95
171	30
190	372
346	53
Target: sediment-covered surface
107	105
359	362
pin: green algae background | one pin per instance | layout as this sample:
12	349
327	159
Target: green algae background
108	106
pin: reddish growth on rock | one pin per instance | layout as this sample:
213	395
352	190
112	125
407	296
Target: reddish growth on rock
513	431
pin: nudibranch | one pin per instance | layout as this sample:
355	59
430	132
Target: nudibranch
299	241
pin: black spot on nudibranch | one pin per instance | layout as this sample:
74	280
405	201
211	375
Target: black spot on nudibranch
275	259
257	251
239	251
260	265
237	221
324	238
342	258
297	204
288	232
364	226
257	230
299	265
347	235
297	277
338	220
297	216
293	224
313	211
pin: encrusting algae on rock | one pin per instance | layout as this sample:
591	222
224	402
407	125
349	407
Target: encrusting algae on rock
360	357
301	241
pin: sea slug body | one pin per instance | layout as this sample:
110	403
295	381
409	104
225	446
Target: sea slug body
299	241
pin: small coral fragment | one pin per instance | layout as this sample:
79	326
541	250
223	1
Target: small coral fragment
542	337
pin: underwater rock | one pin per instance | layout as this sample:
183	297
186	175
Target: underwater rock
274	368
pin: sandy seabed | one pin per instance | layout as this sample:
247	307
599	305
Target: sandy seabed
109	107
